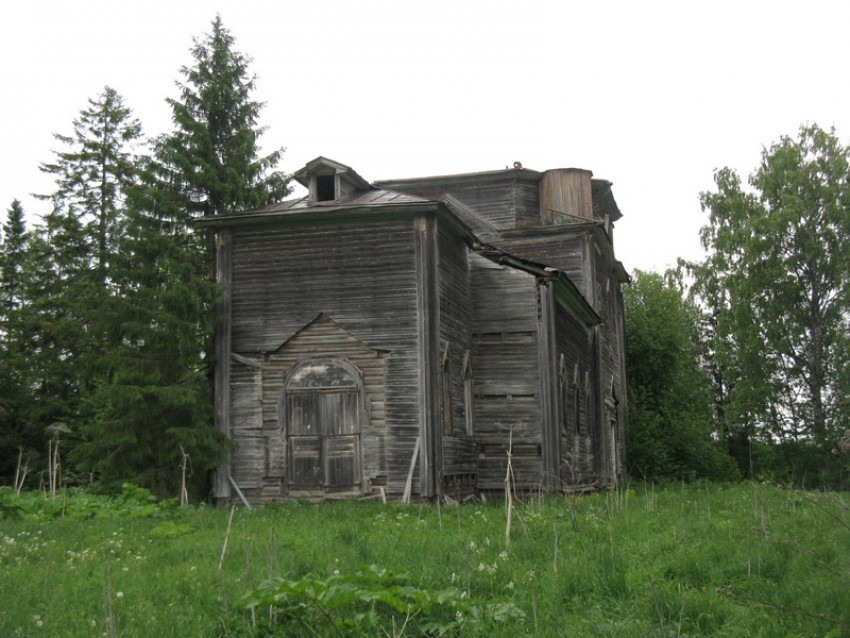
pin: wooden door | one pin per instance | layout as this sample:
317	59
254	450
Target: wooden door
323	415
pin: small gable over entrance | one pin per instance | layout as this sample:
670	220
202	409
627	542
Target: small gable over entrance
323	393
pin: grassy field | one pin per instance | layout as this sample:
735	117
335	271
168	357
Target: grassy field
693	560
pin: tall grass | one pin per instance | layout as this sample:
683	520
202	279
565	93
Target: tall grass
690	560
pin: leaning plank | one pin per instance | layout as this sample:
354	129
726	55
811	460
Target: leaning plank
239	492
408	486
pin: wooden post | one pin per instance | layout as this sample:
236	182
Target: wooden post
408	485
221	489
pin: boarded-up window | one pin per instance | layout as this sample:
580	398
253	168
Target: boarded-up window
323	404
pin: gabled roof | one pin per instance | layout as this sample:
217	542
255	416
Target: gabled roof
324	166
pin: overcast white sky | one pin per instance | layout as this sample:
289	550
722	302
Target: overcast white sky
652	96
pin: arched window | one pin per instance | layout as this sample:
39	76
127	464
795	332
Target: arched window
322	411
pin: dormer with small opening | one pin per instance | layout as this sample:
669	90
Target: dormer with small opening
330	182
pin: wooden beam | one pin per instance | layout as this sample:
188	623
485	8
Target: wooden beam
549	404
428	313
408	486
221	489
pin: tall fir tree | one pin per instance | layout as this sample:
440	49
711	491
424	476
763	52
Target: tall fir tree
14	244
156	403
14	395
65	282
212	157
94	171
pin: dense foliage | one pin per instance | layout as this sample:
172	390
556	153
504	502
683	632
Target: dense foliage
775	290
671	424
108	306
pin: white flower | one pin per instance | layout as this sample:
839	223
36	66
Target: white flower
120	594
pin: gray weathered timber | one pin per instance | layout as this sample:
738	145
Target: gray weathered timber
412	334
221	487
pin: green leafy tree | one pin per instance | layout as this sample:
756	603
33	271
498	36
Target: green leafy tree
776	289
155	403
671	424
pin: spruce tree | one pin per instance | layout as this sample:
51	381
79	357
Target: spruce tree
93	172
156	404
14	434
64	284
212	156
14	244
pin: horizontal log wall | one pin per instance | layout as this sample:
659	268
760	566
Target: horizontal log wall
507	379
359	273
564	252
494	199
577	399
612	367
456	344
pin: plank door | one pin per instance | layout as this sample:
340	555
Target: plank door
323	416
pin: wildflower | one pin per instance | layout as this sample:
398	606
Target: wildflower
503	556
510	586
120	594
472	546
481	567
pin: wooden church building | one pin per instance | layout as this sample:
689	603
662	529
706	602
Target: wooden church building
410	336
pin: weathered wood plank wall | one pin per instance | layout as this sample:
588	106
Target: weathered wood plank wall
574	343
507	380
364	278
501	199
456	345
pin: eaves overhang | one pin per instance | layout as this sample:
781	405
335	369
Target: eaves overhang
567	291
315	213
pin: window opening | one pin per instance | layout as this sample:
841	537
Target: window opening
446	390
325	188
468	393
323	411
